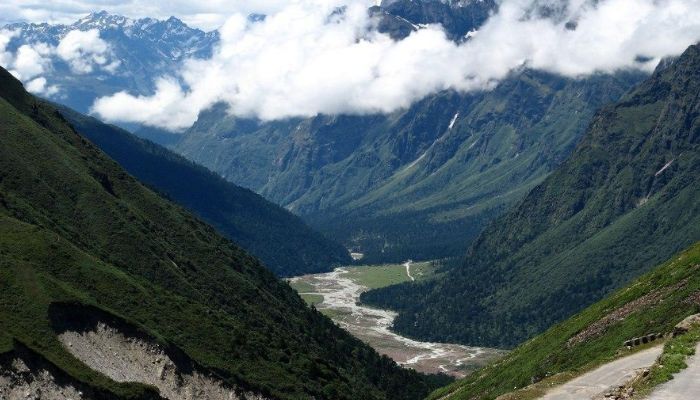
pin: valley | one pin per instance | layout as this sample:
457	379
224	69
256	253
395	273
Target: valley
341	200
336	294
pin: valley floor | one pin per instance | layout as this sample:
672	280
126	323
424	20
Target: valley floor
336	294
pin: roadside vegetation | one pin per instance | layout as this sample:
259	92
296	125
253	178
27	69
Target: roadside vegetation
656	302
671	362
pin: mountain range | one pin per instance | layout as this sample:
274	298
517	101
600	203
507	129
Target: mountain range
564	214
141	49
391	187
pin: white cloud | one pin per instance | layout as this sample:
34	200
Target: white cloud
165	108
299	63
29	62
84	50
5	56
39	86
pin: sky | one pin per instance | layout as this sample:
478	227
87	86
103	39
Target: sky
206	14
299	62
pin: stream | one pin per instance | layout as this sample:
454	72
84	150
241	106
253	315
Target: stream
371	325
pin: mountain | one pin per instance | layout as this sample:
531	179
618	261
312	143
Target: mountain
654	303
626	199
399	18
399	186
89	253
138	51
280	239
392	187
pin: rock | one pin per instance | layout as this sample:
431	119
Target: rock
683	326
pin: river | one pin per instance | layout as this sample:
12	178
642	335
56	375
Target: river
340	296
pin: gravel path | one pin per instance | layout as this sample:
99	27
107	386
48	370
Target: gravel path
408	270
605	377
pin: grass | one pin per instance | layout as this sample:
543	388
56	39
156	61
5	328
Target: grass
333	313
539	389
379	276
311	298
302	286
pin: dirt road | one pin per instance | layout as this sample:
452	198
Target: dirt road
605	377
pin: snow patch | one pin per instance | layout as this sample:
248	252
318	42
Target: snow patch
454	119
668	164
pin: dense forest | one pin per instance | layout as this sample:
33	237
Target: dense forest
624	201
280	239
400	186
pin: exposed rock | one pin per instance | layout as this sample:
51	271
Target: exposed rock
683	326
128	359
599	327
18	382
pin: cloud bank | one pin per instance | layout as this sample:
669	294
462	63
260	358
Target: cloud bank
301	62
83	51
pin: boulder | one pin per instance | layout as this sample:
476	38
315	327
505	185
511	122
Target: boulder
686	324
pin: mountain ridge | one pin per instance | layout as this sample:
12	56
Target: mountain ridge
280	239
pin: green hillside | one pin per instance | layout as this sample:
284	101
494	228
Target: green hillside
399	186
79	234
280	239
627	199
653	303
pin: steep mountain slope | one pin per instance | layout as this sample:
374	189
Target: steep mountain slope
280	239
80	239
653	303
400	186
626	199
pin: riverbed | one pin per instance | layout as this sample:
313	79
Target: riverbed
340	296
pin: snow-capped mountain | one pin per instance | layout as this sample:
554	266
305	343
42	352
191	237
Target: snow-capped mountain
100	54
